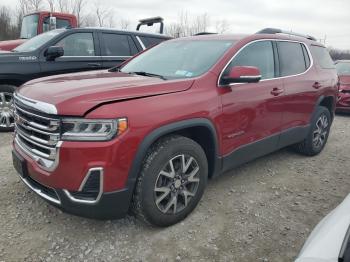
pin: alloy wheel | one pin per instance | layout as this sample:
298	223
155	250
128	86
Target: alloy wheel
321	131
176	184
6	110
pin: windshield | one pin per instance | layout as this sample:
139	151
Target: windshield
179	59
29	26
343	68
37	41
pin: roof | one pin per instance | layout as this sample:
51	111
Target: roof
342	61
124	31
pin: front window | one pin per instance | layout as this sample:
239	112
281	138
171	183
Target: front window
78	44
179	59
343	68
29	26
37	41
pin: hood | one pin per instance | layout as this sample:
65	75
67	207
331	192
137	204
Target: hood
11	44
75	94
325	241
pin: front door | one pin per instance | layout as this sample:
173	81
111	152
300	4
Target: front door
80	54
252	112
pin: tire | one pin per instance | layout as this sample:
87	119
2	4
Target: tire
155	192
6	108
318	134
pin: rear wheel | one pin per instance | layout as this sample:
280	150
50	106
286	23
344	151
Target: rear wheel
6	108
172	181
317	137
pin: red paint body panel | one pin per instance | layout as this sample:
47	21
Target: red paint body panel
241	114
343	104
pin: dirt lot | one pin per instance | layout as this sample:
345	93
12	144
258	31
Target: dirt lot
262	211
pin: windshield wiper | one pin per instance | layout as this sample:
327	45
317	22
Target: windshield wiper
142	73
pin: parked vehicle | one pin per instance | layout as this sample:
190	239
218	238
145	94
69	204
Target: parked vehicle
37	23
149	134
330	240
65	51
343	68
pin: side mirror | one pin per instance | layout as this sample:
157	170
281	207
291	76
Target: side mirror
54	52
242	74
53	23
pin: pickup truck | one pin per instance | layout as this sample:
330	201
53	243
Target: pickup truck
65	51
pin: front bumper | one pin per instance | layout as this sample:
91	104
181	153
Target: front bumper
64	186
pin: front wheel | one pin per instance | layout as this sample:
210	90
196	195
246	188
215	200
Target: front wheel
317	137
172	181
7	121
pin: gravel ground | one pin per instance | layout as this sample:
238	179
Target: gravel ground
262	211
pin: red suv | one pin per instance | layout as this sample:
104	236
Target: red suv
146	136
343	68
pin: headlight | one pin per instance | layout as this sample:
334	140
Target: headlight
92	129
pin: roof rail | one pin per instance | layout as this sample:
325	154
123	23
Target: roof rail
150	22
279	31
206	33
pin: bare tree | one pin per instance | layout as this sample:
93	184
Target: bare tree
337	54
222	26
51	4
78	6
103	14
188	25
9	30
124	24
35	5
63	6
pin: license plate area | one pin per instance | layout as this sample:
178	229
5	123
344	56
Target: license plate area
20	164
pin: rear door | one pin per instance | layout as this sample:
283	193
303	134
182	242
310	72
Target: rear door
116	48
299	78
81	53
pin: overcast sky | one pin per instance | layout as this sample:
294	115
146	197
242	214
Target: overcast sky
320	18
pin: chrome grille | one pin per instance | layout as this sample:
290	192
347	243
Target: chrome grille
37	133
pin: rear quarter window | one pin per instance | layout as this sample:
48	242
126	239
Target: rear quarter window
322	57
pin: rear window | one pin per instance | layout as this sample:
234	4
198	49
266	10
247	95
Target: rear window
321	55
293	59
150	41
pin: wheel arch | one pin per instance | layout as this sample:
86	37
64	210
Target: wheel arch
11	82
327	102
190	128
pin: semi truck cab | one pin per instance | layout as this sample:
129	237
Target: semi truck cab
39	22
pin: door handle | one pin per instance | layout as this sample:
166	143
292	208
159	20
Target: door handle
94	64
317	85
276	91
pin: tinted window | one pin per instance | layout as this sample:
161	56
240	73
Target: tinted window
179	59
37	41
306	57
60	23
150	41
78	44
29	26
115	45
322	57
343	68
258	54
292	61
132	45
